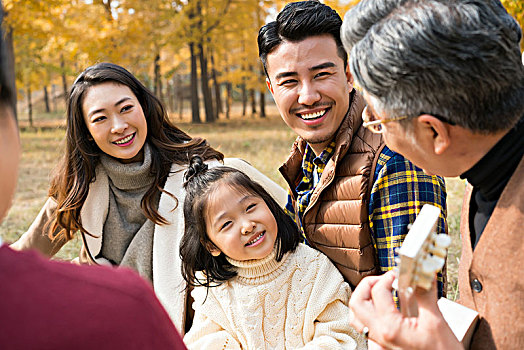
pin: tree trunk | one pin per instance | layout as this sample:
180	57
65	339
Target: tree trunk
229	98
46	100
195	108
161	89
204	83
180	106
156	88
29	106
64	80
171	94
229	88
253	102
262	104
244	99
179	92
262	101
216	86
53	97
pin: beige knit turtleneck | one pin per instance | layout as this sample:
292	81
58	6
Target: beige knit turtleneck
297	303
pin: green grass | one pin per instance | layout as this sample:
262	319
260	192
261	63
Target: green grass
265	143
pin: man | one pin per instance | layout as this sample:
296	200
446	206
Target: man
53	305
445	85
351	196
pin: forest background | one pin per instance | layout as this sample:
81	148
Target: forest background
199	56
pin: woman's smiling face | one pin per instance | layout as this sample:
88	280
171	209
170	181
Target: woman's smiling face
116	121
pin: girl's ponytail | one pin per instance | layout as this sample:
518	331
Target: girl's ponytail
196	166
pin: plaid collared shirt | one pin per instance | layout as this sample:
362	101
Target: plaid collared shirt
312	167
399	191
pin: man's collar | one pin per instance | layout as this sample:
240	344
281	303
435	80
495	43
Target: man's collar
491	173
309	154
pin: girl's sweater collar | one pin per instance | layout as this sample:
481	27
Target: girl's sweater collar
260	270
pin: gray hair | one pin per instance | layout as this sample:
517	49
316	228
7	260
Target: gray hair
456	59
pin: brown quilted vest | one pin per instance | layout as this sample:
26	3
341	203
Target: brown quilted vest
336	221
490	277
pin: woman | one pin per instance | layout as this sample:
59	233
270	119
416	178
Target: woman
120	183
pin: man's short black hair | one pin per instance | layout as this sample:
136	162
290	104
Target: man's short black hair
298	21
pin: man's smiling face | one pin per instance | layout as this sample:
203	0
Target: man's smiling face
311	85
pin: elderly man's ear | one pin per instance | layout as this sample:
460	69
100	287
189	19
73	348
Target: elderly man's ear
438	130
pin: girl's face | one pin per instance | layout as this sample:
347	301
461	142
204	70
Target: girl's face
116	121
240	225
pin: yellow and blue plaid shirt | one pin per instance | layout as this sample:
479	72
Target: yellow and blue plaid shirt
312	167
399	191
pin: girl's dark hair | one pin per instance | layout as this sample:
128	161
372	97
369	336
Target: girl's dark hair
200	183
169	144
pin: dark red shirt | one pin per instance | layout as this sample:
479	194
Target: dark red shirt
57	305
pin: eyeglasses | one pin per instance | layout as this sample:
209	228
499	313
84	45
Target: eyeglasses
375	125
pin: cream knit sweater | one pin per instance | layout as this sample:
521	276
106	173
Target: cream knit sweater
297	303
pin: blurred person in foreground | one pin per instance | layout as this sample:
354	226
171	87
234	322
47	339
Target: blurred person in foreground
54	305
444	84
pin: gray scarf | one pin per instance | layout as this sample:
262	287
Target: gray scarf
128	234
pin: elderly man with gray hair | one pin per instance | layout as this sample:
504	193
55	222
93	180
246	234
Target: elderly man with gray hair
444	84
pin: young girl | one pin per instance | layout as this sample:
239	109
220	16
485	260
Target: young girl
256	286
120	183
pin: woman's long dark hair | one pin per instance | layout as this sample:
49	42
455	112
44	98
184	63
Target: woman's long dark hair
169	144
200	183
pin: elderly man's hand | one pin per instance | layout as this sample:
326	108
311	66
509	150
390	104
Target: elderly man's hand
372	306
